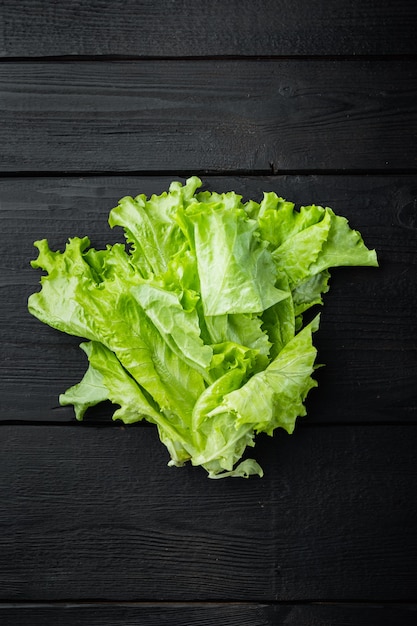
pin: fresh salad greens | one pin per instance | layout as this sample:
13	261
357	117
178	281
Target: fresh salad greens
197	324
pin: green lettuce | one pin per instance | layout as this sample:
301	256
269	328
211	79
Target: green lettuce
196	325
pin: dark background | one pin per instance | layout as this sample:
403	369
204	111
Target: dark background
314	100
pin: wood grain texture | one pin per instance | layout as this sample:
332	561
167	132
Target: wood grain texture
219	116
367	338
96	514
197	28
208	614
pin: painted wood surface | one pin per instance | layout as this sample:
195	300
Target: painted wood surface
95	513
220	116
316	101
207	614
196	28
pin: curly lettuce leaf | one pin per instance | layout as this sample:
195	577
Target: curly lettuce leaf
106	379
56	304
179	327
274	398
236	270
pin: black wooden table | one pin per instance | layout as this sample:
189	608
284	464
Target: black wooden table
316	101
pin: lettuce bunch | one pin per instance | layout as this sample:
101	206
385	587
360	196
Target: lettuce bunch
196	325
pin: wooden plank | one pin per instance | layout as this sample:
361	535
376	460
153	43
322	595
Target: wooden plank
145	614
223	116
196	28
207	614
367	337
95	513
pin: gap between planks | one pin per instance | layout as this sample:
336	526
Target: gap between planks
272	172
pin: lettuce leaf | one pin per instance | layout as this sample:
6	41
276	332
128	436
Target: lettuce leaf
196	324
236	269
